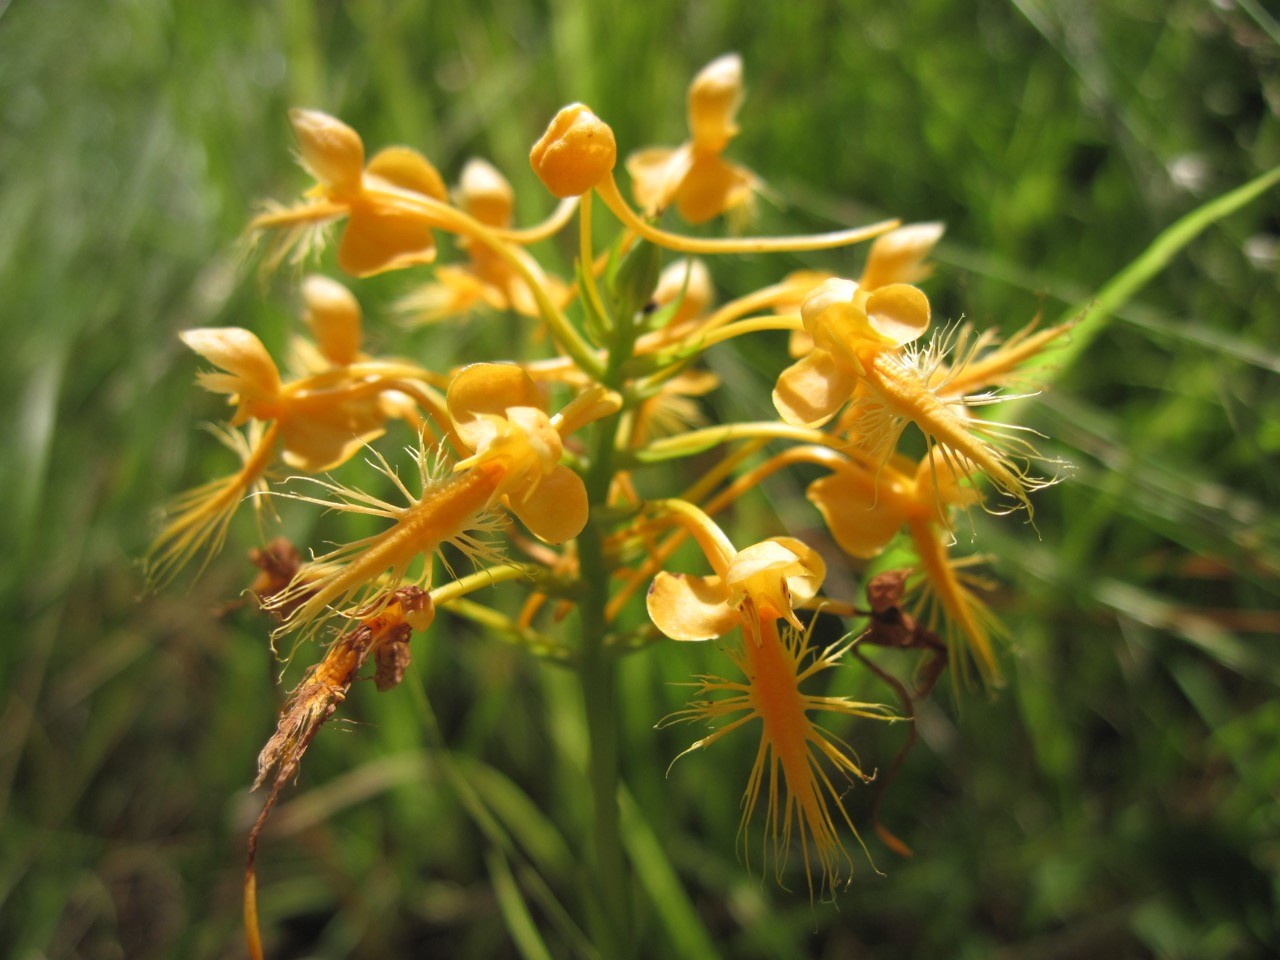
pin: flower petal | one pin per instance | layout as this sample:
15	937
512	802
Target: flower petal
486	194
488	388
253	373
555	510
715	96
656	175
333	314
766	557
407	169
713	186
378	238
804	579
689	282
898	256
315	446
810	391
331	151
690	608
861	520
899	312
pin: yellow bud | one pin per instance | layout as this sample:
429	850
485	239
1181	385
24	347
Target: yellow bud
714	98
333	315
576	152
331	151
486	194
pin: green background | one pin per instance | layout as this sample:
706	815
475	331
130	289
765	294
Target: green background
1116	799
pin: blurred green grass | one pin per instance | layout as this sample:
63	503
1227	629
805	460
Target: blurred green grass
1118	798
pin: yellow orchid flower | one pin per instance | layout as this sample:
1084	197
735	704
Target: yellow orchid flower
319	427
313	424
381	234
865	505
498	414
858	354
753	589
694	177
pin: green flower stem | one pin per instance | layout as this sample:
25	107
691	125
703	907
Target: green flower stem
507	630
597	667
613	199
586	257
696	441
483	578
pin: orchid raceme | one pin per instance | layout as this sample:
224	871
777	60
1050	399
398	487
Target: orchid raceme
570	447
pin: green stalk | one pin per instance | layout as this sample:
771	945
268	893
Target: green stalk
598	673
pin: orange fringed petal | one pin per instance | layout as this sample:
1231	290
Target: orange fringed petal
690	608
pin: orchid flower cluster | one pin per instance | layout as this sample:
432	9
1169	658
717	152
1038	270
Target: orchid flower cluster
532	467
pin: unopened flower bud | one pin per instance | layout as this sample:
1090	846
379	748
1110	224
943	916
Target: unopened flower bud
576	152
714	99
331	150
